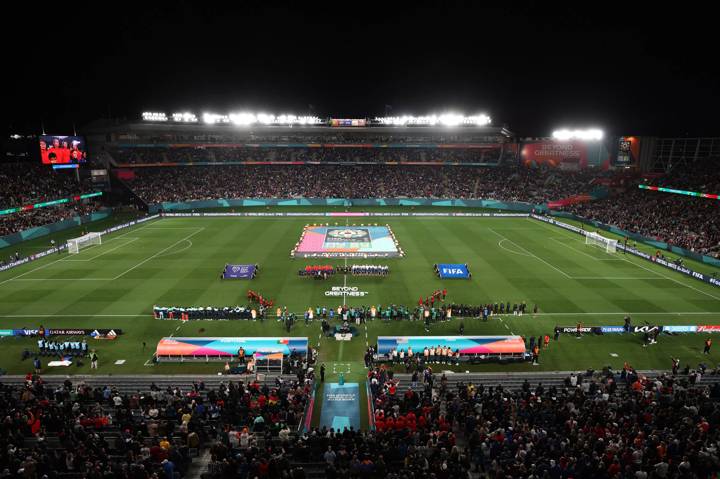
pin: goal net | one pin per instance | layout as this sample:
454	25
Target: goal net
594	239
74	245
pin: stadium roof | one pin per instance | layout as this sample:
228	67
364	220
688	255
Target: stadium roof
139	126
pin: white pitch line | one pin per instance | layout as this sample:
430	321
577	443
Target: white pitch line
189	245
58	260
64	279
158	253
576	250
534	256
673	280
557	228
654	278
103	253
511	251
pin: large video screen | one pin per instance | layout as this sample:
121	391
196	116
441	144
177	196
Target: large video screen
59	149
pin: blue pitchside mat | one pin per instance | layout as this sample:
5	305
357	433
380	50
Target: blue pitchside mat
341	406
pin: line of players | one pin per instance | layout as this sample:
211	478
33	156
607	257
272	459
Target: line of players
75	348
323	271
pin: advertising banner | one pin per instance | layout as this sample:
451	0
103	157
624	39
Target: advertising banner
452	270
465	344
714	328
680	329
239	271
94	333
571	155
230	346
612	329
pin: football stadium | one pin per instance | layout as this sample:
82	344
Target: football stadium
234	293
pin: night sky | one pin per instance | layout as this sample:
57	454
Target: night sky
626	69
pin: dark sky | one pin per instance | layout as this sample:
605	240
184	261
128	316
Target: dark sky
629	70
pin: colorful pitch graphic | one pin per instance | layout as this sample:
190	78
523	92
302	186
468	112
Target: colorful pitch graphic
229	346
347	242
466	344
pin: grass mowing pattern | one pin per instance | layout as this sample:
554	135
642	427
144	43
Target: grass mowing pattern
177	261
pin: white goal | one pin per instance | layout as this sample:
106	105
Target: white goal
74	245
594	239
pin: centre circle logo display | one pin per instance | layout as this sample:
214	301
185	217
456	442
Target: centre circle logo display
347	234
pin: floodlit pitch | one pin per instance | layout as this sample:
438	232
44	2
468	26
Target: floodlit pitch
176	262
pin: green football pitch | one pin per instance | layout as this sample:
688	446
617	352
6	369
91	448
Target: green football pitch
178	261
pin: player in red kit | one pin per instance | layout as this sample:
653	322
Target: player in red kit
44	152
76	154
64	152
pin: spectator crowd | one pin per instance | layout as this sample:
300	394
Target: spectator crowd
168	184
689	222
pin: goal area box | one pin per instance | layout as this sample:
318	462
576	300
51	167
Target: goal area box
74	245
347	242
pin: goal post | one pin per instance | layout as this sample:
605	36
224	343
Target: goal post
594	239
74	245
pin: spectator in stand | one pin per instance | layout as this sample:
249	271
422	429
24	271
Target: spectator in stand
156	185
689	222
16	222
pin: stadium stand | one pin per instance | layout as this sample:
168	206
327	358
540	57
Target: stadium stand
157	185
605	425
187	155
17	222
699	175
26	183
87	429
689	222
624	424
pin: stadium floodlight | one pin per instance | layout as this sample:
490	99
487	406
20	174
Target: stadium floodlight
185	117
590	134
447	119
242	118
451	119
212	118
154	116
265	119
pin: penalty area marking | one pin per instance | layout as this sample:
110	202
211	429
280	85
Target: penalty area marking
134	238
533	255
159	253
134	230
557	228
558	239
188	246
500	244
595	258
